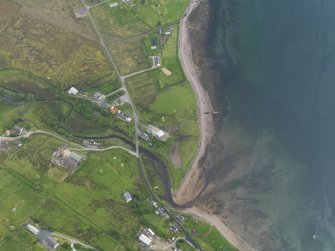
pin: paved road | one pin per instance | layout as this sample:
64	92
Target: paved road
121	79
143	71
73	241
80	147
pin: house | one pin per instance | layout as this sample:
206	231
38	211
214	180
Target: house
50	243
143	135
81	12
18	129
157	61
160	212
104	105
73	91
18	142
44	237
97	96
127	196
114	110
174	228
47	240
124	116
117	102
180	218
145	239
86	143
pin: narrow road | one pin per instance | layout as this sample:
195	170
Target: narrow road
121	79
73	241
140	72
92	6
80	147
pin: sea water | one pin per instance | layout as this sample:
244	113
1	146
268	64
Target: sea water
275	181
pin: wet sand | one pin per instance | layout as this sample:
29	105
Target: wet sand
193	182
195	179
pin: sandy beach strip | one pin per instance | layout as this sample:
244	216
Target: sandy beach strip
192	183
218	223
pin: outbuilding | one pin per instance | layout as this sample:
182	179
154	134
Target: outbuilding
145	239
127	196
73	91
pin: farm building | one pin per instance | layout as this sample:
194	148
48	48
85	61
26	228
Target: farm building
156	131
127	196
73	91
67	159
145	239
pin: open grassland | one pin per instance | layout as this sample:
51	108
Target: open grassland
87	205
208	237
47	50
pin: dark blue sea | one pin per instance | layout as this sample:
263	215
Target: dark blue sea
274	180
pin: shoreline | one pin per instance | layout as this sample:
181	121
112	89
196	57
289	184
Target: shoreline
193	182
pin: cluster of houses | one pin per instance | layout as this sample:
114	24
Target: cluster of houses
67	159
91	144
16	131
99	99
120	115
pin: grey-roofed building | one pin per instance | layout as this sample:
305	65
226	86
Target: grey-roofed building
18	129
18	142
70	163
104	105
127	196
97	96
47	240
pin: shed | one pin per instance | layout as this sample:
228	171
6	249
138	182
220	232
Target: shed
33	229
73	91
145	239
127	196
